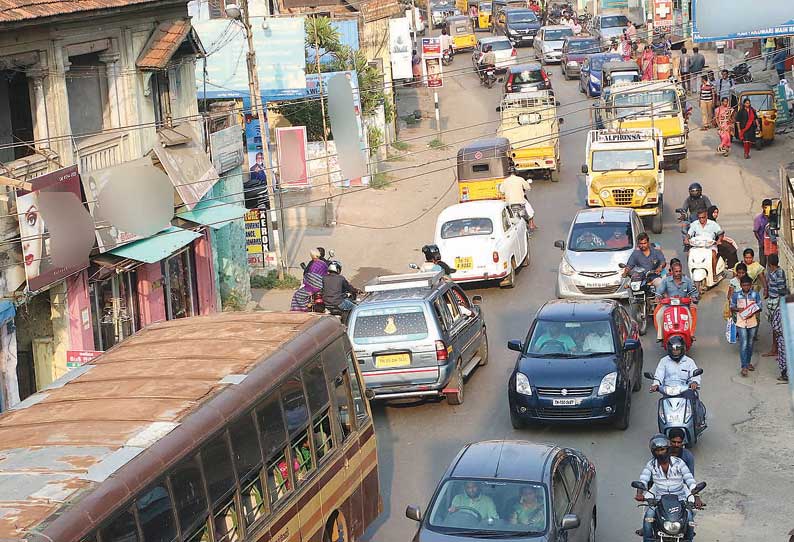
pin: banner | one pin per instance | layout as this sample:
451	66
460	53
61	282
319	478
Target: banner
291	144
227	148
431	62
256	238
662	14
431	47
39	269
400	48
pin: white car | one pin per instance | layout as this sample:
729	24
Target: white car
549	41
482	240
598	242
506	54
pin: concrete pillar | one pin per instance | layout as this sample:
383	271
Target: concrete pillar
115	87
38	102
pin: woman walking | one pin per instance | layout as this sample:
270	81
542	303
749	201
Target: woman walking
646	63
748	122
723	119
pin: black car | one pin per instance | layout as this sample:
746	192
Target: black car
519	25
580	362
526	77
515	490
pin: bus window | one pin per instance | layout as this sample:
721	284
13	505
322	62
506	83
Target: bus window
121	529
190	500
302	455
358	400
323	440
295	409
342	400
220	483
274	447
156	515
248	460
317	394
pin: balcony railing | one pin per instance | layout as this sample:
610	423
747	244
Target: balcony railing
101	151
26	168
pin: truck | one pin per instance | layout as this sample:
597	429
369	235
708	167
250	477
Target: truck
623	168
648	104
529	120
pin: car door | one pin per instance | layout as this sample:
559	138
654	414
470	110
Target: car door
472	329
519	236
508	245
634	356
624	356
572	477
560	504
459	331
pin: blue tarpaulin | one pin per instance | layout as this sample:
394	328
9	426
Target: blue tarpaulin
7	311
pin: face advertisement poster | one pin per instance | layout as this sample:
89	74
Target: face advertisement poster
432	72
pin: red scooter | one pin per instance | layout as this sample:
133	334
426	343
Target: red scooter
677	320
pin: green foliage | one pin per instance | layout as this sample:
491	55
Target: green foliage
375	137
401	145
437	144
380	181
271	281
308	114
388	110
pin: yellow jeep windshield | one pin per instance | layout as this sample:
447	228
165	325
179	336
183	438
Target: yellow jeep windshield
642	103
627	160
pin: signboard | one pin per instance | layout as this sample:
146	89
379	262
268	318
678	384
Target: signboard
400	48
39	269
614	4
431	62
77	358
374	10
291	144
662	14
256	238
781	104
716	20
227	149
431	47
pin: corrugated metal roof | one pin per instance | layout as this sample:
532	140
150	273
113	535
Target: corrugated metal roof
56	448
23	10
162	44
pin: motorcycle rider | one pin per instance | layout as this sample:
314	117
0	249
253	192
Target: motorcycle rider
433	261
669	475
487	60
707	228
337	290
515	190
692	204
675	285
675	369
446	43
647	257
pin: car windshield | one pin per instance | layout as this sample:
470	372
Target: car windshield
640	103
528	76
465	227
582	46
571	339
627	160
597	62
557	34
601	237
389	324
466	507
614	21
760	102
500	45
523	17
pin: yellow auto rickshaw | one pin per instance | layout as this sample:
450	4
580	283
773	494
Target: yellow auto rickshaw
762	98
484	15
482	166
461	31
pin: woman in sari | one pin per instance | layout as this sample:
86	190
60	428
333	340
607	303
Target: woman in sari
748	122
315	271
727	248
646	63
723	120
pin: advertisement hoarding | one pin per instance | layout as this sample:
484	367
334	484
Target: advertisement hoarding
291	144
721	20
662	15
400	48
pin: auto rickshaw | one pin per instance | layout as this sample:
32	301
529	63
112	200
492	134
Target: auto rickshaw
482	166
461	32
762	98
484	15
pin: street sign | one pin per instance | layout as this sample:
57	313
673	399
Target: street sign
431	47
662	14
781	104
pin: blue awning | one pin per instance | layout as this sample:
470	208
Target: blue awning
157	247
213	213
7	310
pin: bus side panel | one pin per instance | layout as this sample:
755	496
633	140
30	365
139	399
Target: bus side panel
373	504
356	500
311	514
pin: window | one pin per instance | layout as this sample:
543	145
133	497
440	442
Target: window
316	387
274	442
87	91
248	461
571	339
480	168
303	463
506	220
444	319
560	496
294	404
452	306
569	475
16	118
323	437
114	308
218	469
181	297
156	515
464	227
190	500
624	159
122	529
359	404
343	402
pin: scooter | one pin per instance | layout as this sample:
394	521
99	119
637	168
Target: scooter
699	263
676	409
673	518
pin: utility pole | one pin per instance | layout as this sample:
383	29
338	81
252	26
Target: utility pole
322	98
256	103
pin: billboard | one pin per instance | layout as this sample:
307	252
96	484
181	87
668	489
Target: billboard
291	144
731	20
400	48
662	15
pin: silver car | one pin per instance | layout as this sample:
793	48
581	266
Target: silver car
548	42
598	242
606	27
417	335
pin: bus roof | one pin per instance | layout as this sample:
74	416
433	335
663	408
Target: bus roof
123	417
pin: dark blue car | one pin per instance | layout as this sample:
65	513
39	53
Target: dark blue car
590	75
580	362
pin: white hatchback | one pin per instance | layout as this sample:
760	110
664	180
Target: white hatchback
482	240
506	54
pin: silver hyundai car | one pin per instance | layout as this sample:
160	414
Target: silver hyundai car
599	240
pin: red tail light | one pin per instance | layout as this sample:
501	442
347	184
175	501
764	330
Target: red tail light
510	83
514	52
545	77
495	257
441	351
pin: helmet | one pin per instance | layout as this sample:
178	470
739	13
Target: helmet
676	348
695	190
659	442
335	267
431	252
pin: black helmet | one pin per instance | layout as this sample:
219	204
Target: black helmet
676	348
335	267
695	190
431	252
660	442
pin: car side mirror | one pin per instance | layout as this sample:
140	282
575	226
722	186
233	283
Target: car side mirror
514	345
569	521
498	108
369	394
560	244
639	485
413	512
585	169
631	344
477	299
697	372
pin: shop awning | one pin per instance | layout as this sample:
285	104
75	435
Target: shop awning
157	247
7	310
213	213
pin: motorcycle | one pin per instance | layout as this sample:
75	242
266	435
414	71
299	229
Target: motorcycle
673	518
677	320
642	296
488	76
317	305
676	409
741	72
699	260
446	57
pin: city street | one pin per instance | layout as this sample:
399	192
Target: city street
743	458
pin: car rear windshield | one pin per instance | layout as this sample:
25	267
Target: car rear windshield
601	237
557	35
579	46
390	324
571	339
465	227
528	76
495	509
522	17
614	21
500	45
596	62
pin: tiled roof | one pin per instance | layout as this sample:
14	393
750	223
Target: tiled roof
162	44
24	10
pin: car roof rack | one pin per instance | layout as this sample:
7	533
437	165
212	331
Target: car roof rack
387	283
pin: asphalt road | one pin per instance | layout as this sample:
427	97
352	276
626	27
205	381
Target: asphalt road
416	442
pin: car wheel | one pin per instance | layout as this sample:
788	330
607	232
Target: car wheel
554	175
657	222
622	421
681	166
516	421
510	280
483	353
592	532
456	397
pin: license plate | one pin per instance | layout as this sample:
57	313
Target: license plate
464	263
392	360
565	402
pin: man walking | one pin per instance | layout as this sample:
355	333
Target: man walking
683	65
776	289
724	86
779	59
696	65
706	101
746	304
759	226
769	46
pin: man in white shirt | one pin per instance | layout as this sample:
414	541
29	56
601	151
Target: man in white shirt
600	340
446	41
676	369
514	189
708	228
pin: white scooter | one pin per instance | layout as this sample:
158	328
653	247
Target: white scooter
699	263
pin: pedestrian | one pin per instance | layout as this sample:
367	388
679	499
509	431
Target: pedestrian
684	63
646	63
724	85
759	226
776	289
416	67
734	285
696	65
770	241
745	305
723	119
779	59
631	30
769	47
754	270
625	46
777	330
706	102
748	122
726	247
